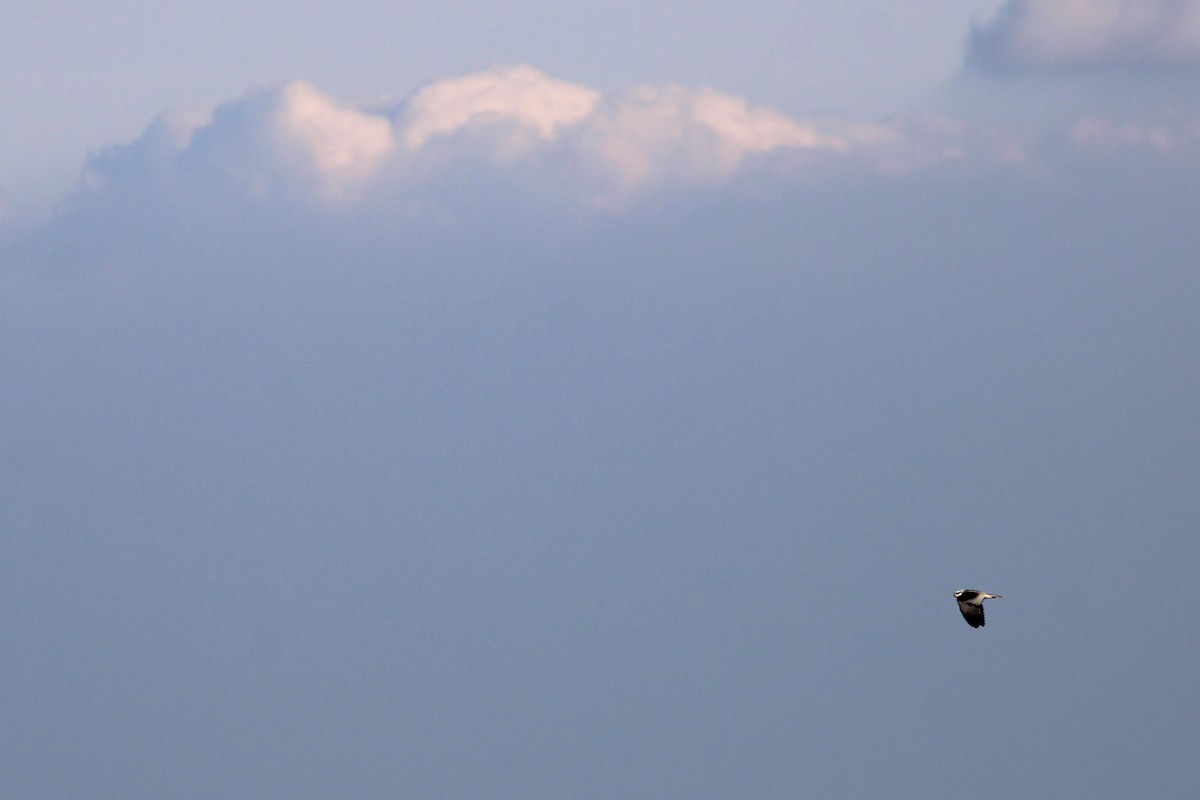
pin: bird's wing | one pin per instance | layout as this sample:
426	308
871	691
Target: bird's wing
972	613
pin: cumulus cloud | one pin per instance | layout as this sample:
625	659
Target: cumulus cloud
1056	34
651	134
299	144
519	95
291	141
548	143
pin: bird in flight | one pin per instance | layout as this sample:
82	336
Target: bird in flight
970	603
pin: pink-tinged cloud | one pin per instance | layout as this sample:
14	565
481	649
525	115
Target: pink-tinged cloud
298	143
553	141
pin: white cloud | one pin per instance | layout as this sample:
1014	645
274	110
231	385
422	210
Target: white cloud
295	139
644	136
517	95
341	145
1039	34
697	136
299	144
562	142
293	142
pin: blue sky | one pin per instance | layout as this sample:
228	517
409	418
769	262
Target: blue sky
459	407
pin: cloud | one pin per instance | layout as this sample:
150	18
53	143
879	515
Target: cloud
294	141
297	144
1058	34
651	134
520	95
515	140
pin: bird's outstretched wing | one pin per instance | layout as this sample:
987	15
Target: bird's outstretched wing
972	613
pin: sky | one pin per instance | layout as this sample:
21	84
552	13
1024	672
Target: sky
430	405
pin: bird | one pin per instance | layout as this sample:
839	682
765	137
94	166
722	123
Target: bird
970	603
